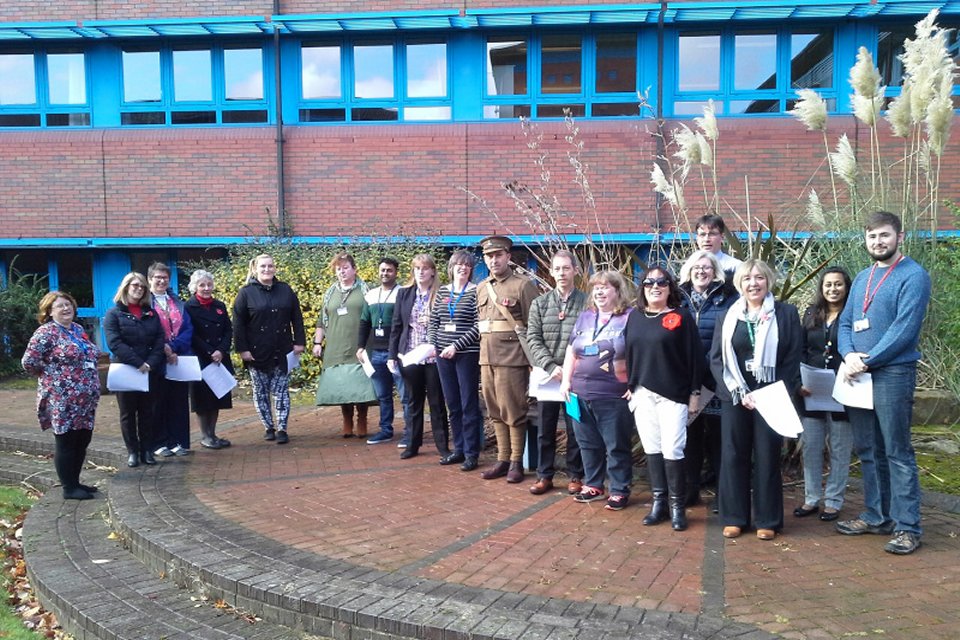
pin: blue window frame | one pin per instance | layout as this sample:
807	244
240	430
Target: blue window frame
375	80
194	83
752	70
548	74
44	88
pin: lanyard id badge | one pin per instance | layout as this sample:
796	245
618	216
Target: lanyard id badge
591	349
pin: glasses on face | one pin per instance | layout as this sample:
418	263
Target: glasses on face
63	305
698	267
160	278
658	282
136	285
708	234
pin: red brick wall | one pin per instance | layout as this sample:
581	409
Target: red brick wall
47	10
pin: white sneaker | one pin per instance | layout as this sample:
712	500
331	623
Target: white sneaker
179	451
163	452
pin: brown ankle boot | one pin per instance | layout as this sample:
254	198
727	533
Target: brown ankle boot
515	473
496	471
347	411
362	420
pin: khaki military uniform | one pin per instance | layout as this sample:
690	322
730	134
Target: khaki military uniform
504	370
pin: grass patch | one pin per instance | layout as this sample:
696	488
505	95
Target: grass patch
14	501
15	383
939	470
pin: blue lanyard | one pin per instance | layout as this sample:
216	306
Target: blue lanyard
452	304
75	339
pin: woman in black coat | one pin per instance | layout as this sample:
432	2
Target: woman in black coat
212	335
411	323
135	337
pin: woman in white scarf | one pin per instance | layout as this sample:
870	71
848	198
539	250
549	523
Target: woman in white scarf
758	342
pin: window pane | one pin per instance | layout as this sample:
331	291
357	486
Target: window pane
18	83
560	110
699	63
616	62
695	108
141	76
505	111
755	61
68	119
506	67
373	70
193	117
427	70
75	271
426	113
20	120
811	60
320	72
66	77
611	109
243	73
323	115
192	76
143	117
374	114
561	64
755	106
244	116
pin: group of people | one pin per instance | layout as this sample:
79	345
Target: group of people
623	363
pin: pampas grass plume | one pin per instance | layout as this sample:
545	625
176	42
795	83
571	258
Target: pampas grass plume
708	123
811	110
844	162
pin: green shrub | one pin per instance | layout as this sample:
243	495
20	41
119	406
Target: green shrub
18	317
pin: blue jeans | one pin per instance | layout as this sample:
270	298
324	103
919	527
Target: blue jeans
817	431
460	379
604	435
383	384
881	437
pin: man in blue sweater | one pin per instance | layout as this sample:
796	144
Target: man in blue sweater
879	333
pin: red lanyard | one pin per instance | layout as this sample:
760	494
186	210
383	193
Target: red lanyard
867	296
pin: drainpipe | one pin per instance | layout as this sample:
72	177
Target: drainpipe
661	143
281	192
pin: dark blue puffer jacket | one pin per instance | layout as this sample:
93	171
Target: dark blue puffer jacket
719	298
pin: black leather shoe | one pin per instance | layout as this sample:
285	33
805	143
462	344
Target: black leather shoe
148	458
453	458
408	453
829	516
133	460
469	464
803	511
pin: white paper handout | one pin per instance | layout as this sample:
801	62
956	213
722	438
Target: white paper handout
773	403
293	361
366	365
819	382
187	369
218	378
417	355
705	397
125	377
544	387
855	393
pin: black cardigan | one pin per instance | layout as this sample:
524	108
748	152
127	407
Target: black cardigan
789	350
664	354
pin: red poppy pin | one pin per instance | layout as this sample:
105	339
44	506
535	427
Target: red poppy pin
219	312
671	321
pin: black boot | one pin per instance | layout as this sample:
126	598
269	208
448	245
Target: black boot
677	484
658	485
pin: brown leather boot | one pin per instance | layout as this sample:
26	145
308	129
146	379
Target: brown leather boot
347	411
515	473
362	420
496	471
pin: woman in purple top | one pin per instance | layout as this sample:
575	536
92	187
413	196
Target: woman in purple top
595	378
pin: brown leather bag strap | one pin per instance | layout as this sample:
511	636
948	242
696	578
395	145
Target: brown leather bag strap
503	310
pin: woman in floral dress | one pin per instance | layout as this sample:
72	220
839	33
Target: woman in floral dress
68	388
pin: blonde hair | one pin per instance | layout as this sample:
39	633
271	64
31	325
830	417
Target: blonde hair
697	256
252	267
425	260
618	282
744	269
46	305
121	295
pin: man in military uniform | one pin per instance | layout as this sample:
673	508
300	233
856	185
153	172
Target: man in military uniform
503	303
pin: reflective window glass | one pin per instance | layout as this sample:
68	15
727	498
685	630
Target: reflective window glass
243	74
754	106
616	62
561	63
426	70
811	60
373	71
755	61
320	72
421	114
192	76
66	78
75	271
141	76
699	63
17	79
506	67
505	111
889	48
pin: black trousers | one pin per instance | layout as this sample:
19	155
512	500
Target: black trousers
70	451
422	382
750	461
136	419
703	441
549	414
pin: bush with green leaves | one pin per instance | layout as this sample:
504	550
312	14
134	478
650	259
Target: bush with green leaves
306	268
18	317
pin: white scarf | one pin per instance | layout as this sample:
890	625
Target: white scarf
766	341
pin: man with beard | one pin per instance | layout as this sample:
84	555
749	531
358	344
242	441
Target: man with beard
879	333
374	342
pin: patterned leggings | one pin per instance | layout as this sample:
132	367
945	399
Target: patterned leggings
271	383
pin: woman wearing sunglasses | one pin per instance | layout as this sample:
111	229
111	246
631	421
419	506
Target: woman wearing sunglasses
665	362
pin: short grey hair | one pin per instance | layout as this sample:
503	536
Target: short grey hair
718	275
196	277
749	265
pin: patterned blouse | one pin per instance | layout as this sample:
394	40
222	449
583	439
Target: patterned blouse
68	388
420	323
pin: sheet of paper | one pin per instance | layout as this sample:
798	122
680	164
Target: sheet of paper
216	376
819	382
543	386
773	403
705	397
856	393
417	355
573	407
187	369
366	365
293	361
124	377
